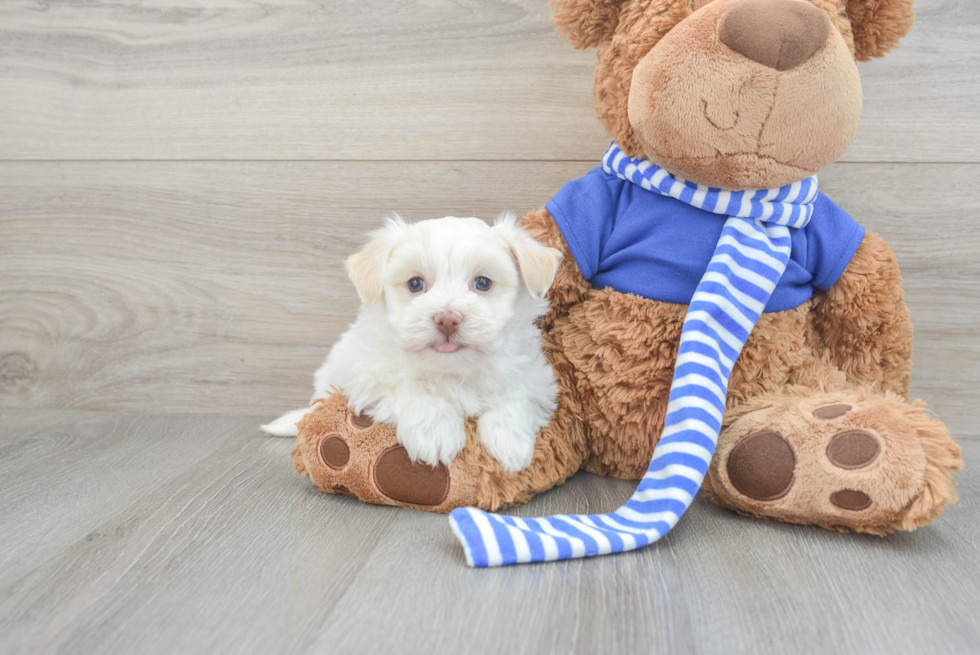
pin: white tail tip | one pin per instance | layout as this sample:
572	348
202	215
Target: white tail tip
285	425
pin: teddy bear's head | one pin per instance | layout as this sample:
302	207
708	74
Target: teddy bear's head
738	94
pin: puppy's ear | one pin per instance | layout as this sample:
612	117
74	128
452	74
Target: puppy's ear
366	266
538	263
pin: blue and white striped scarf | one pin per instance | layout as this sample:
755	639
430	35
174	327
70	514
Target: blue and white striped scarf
748	261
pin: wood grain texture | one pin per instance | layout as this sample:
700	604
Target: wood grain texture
191	534
388	79
210	287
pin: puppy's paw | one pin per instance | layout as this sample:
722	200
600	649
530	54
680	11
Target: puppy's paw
509	443
432	442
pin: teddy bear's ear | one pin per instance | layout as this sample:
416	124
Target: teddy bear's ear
586	22
878	25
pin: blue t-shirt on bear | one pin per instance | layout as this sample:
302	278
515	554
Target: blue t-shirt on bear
637	241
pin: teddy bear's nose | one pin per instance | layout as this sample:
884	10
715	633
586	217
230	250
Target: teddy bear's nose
780	34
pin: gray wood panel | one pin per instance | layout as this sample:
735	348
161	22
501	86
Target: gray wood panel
191	534
219	286
388	79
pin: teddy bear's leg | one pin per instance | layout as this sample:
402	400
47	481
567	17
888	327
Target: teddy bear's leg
841	447
344	453
849	460
862	323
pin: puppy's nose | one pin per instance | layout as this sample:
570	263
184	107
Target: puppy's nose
447	322
780	34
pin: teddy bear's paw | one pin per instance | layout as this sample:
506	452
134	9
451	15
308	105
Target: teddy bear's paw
845	461
349	454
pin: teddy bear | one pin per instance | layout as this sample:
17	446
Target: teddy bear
720	97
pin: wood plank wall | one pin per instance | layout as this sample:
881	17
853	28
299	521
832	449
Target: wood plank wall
180	182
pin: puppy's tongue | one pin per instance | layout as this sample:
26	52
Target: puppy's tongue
446	347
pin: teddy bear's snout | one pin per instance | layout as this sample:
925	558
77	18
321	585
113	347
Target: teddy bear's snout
780	34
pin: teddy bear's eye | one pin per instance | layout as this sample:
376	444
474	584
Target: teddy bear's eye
416	284
482	283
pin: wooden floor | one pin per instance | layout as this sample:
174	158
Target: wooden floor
123	533
179	184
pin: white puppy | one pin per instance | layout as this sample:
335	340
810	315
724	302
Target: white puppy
445	331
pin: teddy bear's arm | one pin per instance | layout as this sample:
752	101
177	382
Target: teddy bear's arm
569	286
864	323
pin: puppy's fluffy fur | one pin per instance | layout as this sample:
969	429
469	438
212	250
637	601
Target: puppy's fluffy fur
399	366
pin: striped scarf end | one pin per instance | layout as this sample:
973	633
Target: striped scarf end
466	531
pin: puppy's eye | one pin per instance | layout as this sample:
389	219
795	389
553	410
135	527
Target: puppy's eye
416	284
482	283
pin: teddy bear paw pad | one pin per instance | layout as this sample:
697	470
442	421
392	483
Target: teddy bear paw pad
761	466
361	421
851	499
401	479
853	449
334	451
828	412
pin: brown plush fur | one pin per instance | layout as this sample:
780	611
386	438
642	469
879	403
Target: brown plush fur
863	324
586	23
878	25
667	88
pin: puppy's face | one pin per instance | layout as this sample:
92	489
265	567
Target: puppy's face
451	284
